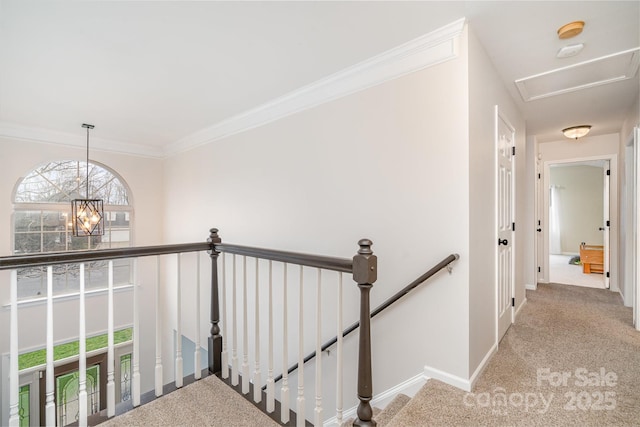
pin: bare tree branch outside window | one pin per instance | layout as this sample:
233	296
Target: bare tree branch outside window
41	224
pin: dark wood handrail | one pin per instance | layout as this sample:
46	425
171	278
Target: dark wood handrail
344	265
411	286
53	258
363	267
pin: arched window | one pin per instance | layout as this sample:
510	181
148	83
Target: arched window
42	208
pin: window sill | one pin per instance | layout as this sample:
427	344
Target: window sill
67	297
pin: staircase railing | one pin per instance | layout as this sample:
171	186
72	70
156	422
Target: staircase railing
362	267
387	303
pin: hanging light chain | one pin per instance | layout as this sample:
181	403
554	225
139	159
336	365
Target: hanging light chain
87	126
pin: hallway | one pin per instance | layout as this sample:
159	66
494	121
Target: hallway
570	359
562	272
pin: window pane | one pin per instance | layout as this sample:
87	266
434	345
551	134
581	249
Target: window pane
24	407
97	274
64	181
27	243
66	278
54	242
125	377
35	231
122	271
32	282
67	389
27	221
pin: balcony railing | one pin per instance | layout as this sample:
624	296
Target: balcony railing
229	349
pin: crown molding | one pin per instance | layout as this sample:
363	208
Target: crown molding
47	136
425	51
428	50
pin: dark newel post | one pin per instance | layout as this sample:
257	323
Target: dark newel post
215	339
365	273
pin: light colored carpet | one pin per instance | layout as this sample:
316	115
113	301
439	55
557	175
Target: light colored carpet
560	271
562	332
208	402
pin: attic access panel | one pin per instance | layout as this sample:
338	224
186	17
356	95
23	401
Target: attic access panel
606	69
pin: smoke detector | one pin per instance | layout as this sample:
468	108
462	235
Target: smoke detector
571	50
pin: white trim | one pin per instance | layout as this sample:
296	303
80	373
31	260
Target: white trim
66	360
48	136
636	225
409	388
543	194
445	377
627	74
500	116
66	297
425	51
481	367
522	303
530	287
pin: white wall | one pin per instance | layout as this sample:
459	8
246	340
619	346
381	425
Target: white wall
587	148
144	177
486	91
389	163
626	191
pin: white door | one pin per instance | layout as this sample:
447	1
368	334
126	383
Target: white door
636	221
539	274
505	144
606	225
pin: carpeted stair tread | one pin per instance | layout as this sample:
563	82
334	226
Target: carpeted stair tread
390	411
208	402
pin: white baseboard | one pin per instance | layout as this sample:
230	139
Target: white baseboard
447	378
524	301
481	366
533	287
409	387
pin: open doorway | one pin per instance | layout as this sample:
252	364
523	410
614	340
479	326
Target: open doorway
578	214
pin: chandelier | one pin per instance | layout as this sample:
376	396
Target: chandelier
87	215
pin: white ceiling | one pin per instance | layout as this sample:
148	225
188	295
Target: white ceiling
153	73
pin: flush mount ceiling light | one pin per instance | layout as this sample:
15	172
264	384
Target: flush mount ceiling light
575	132
571	29
87	214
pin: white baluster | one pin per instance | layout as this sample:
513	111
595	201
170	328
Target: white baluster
339	402
197	358
14	380
158	370
225	337
257	375
234	349
135	376
111	386
270	384
300	401
50	405
284	390
318	408
179	376
245	330
82	356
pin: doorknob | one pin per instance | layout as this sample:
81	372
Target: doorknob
539	230
503	242
601	228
